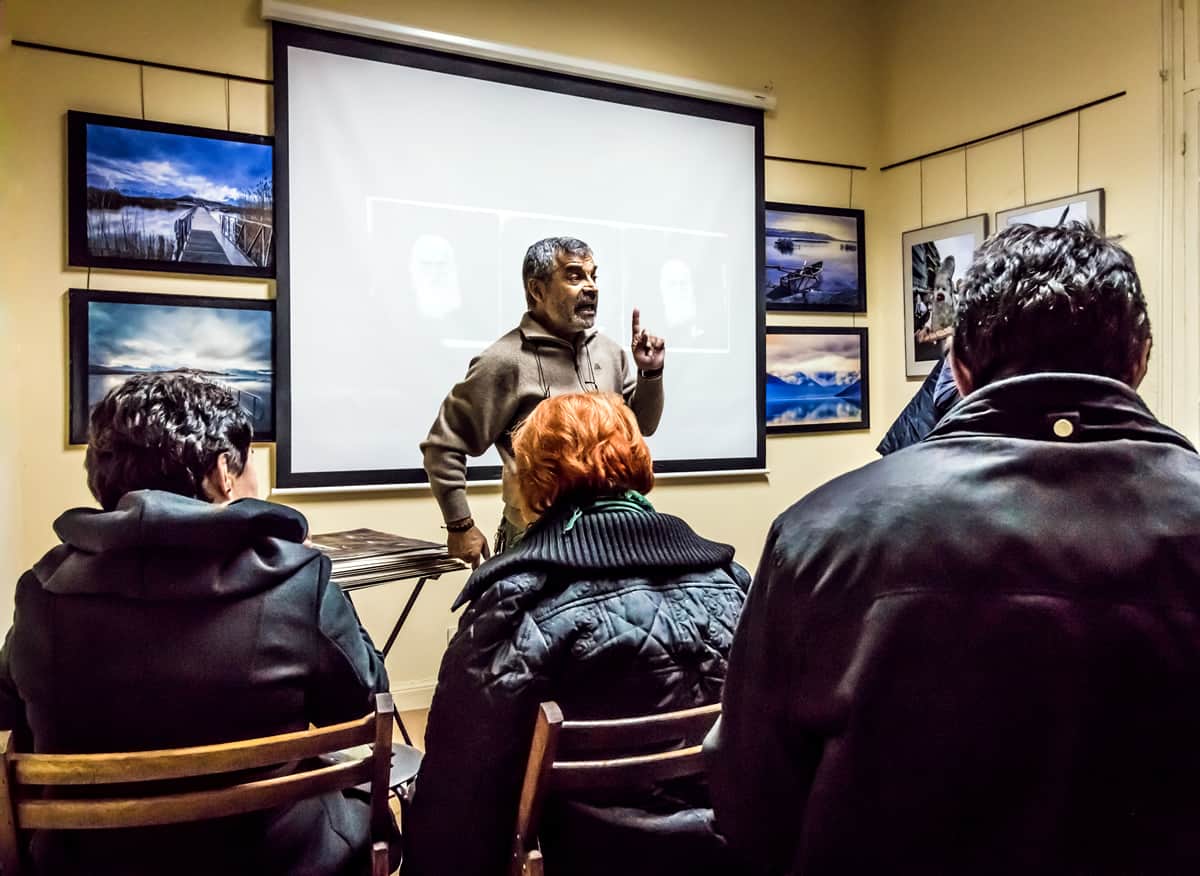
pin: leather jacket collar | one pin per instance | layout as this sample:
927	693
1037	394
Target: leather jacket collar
1056	407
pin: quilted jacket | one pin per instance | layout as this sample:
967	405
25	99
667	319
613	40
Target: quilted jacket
611	614
978	655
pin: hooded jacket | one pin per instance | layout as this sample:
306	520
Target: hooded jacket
169	622
611	613
979	654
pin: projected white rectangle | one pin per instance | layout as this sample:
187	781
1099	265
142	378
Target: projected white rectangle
411	196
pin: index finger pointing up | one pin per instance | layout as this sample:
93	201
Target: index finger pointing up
637	323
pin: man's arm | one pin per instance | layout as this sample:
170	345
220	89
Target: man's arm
349	669
473	415
641	383
758	780
12	709
644	395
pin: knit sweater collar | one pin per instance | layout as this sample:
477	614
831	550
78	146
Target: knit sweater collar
604	541
536	333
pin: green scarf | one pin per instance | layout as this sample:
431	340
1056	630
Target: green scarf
629	500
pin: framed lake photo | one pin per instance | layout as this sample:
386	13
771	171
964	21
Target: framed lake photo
115	335
935	260
151	196
1083	207
815	259
816	379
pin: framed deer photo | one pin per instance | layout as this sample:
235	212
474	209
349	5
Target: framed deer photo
816	259
935	259
115	335
151	196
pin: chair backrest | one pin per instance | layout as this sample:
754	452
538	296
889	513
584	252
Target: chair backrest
603	755
28	781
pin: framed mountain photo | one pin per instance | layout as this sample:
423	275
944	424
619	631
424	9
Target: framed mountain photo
816	379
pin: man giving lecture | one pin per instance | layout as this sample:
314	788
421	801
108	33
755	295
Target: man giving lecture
554	350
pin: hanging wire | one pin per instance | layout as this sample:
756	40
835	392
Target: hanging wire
922	166
966	186
1024	172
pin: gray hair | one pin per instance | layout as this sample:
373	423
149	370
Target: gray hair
542	258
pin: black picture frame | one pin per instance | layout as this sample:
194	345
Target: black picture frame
783	281
931	290
1091	202
822	403
83	346
117	220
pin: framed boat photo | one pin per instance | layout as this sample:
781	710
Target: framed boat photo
816	259
151	196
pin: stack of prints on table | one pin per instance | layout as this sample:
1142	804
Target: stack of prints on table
362	557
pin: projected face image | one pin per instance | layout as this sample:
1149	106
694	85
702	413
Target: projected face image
678	291
566	303
434	276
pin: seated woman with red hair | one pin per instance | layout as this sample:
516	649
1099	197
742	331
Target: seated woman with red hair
605	606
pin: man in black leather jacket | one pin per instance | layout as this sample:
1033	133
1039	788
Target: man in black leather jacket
185	613
981	654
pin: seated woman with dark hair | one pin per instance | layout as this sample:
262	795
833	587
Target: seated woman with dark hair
605	606
185	612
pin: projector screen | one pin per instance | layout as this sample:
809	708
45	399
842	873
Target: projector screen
409	185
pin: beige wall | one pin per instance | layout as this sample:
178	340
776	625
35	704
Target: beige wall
860	82
956	71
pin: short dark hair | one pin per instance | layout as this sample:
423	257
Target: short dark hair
542	258
1063	298
164	432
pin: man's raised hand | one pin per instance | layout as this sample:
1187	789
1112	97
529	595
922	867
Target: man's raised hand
649	351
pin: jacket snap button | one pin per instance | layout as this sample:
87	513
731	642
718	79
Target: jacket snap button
1063	427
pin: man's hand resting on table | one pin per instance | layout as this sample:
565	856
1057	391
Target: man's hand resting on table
468	546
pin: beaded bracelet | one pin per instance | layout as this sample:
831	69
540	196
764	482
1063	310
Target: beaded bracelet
460	525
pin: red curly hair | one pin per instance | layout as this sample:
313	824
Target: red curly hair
586	443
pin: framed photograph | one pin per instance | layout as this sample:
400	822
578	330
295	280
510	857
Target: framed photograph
935	259
114	335
815	259
816	379
1084	207
156	197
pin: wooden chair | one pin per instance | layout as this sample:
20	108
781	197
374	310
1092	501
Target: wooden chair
25	777
609	755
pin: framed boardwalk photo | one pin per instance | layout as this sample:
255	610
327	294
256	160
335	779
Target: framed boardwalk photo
816	259
816	379
114	335
151	196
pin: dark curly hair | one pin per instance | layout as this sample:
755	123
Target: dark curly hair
164	432
1064	298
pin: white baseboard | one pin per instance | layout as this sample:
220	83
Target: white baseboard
413	695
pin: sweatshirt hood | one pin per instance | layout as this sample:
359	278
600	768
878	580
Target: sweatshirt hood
162	546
